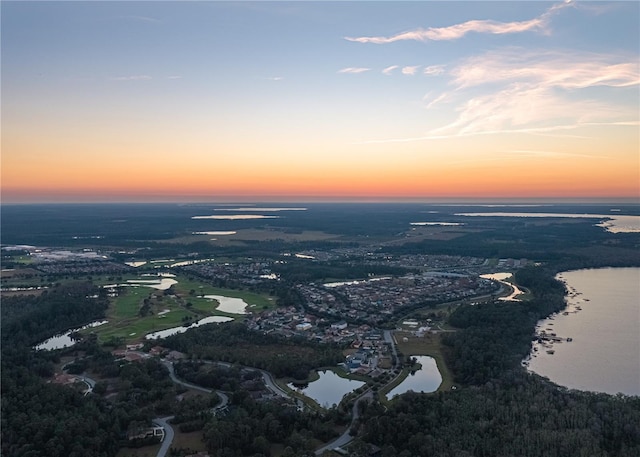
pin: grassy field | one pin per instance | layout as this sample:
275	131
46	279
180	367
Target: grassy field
168	310
185	287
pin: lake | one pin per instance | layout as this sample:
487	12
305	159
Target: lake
329	389
427	379
610	222
602	319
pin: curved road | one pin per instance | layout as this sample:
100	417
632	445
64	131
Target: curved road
224	399
168	435
346	437
163	421
342	440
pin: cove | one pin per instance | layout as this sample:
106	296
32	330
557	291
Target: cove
426	380
594	343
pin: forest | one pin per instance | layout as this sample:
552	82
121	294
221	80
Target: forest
234	343
503	410
498	407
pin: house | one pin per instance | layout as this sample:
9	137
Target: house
339	325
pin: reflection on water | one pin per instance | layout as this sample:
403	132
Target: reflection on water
502	277
234	217
229	305
614	224
182	329
426	379
329	389
594	344
64	340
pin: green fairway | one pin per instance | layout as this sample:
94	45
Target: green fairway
191	289
139	310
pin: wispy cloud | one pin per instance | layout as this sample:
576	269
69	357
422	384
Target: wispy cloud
410	70
533	92
132	78
388	70
549	130
147	19
536	89
456	31
354	70
562	69
434	70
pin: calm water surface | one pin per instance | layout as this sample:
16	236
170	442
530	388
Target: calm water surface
229	305
64	339
603	320
182	329
329	389
426	379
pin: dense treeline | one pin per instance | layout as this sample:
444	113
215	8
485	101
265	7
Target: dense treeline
566	245
496	336
28	319
525	418
251	428
41	419
504	410
234	343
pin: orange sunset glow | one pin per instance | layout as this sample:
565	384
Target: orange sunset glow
400	105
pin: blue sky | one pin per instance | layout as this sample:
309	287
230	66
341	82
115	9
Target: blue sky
383	88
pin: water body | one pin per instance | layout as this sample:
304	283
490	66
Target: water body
182	329
427	379
64	339
502	277
437	223
603	320
229	305
235	217
161	283
329	389
266	210
611	223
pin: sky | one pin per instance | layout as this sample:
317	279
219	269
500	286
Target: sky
213	101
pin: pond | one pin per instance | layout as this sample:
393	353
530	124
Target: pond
229	305
182	328
329	389
64	340
427	379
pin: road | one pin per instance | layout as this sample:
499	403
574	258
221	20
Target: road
272	386
224	398
168	434
346	437
163	421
